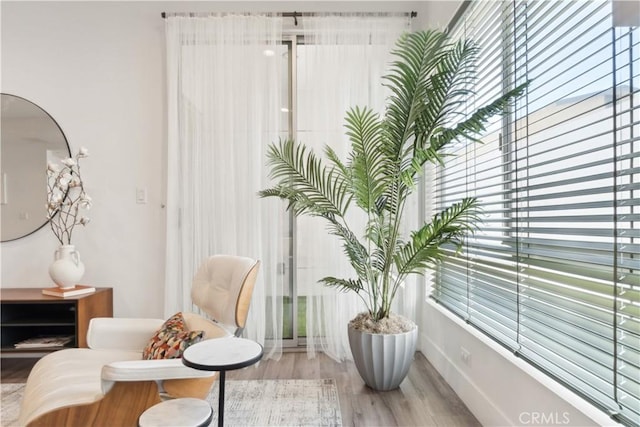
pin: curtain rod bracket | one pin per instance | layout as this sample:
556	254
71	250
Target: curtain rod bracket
295	18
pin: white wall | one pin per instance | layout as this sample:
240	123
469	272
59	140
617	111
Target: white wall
98	69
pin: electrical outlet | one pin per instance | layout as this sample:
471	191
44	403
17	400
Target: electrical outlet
465	355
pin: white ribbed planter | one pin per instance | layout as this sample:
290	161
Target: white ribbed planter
383	360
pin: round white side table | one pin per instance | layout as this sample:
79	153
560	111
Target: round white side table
221	355
185	411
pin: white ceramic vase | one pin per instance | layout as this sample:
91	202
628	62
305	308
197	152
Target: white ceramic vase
66	270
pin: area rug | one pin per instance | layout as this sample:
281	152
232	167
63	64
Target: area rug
10	397
247	403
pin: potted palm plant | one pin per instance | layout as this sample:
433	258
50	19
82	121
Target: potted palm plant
429	80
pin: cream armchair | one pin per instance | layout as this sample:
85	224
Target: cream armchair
108	384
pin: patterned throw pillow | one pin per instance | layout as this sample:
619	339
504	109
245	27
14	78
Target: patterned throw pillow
171	340
175	322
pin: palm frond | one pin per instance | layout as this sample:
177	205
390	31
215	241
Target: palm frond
356	252
339	166
449	226
418	56
283	192
344	285
389	202
448	83
368	164
304	181
475	124
413	167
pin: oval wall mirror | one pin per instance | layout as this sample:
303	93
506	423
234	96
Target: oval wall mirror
29	138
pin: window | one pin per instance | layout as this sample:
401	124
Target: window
554	271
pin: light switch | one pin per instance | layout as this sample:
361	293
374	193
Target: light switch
141	196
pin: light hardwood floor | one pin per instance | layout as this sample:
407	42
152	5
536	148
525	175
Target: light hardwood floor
423	399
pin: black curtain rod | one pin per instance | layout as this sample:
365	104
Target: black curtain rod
294	15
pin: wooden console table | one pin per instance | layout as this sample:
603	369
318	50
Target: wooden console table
27	313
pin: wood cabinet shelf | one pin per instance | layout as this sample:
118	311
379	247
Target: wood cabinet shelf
8	350
27	313
43	322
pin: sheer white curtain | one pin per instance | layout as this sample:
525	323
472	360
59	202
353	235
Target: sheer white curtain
340	66
224	98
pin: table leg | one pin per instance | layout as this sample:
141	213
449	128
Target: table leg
221	400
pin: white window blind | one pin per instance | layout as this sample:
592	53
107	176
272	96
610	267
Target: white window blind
554	271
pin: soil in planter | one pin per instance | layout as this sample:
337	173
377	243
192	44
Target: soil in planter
394	324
